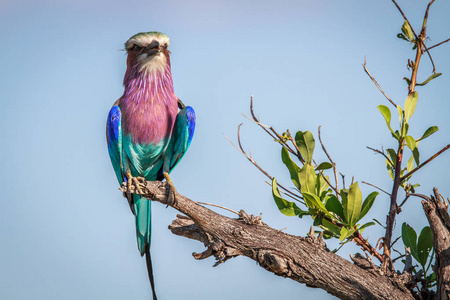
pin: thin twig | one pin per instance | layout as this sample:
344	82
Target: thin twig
331	161
404	201
329	184
290	196
425	162
362	242
415	35
420	196
404	17
395	250
254	162
382	153
343	179
376	83
266	129
424	28
393	243
401	256
233	211
438	44
376	187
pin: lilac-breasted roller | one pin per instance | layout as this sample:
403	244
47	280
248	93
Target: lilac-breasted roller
148	129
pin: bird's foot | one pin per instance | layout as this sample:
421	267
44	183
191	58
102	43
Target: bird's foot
136	182
172	198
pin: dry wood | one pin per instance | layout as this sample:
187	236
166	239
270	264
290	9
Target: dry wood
303	259
436	210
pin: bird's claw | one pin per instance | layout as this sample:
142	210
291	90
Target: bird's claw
136	182
172	198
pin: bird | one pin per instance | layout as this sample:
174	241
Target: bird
148	128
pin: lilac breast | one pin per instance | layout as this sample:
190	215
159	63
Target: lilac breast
149	108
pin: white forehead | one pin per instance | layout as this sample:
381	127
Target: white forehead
144	39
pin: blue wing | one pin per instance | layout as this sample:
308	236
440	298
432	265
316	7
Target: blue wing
182	135
114	139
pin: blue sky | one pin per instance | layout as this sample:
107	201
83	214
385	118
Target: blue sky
66	231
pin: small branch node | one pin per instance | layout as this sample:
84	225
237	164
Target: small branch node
250	219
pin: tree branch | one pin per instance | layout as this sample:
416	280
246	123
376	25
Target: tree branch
425	162
436	211
303	259
438	44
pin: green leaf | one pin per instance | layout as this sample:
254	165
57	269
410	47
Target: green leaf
409	237
410	164
433	76
405	129
416	156
315	201
318	220
286	207
343	234
400	113
307	178
410	142
367	204
407	80
402	36
424	245
406	29
332	204
431	277
392	155
324	166
291	165
352	204
410	105
304	213
390	169
379	223
384	110
321	186
428	132
335	230
366	225
305	143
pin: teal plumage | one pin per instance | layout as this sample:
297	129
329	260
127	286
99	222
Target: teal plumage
148	128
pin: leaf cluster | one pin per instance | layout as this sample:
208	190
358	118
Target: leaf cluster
403	138
338	218
421	248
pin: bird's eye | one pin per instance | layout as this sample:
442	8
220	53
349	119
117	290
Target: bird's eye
136	48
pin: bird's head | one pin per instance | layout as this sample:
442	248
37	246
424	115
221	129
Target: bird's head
148	52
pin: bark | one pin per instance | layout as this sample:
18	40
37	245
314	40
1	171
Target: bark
303	259
436	210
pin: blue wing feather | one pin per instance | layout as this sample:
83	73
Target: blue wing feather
114	139
182	134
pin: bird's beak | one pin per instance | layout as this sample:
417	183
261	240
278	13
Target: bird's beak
152	49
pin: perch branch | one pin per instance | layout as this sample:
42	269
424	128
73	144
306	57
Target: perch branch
302	259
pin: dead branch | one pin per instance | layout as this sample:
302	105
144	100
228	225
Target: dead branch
376	83
303	259
436	211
